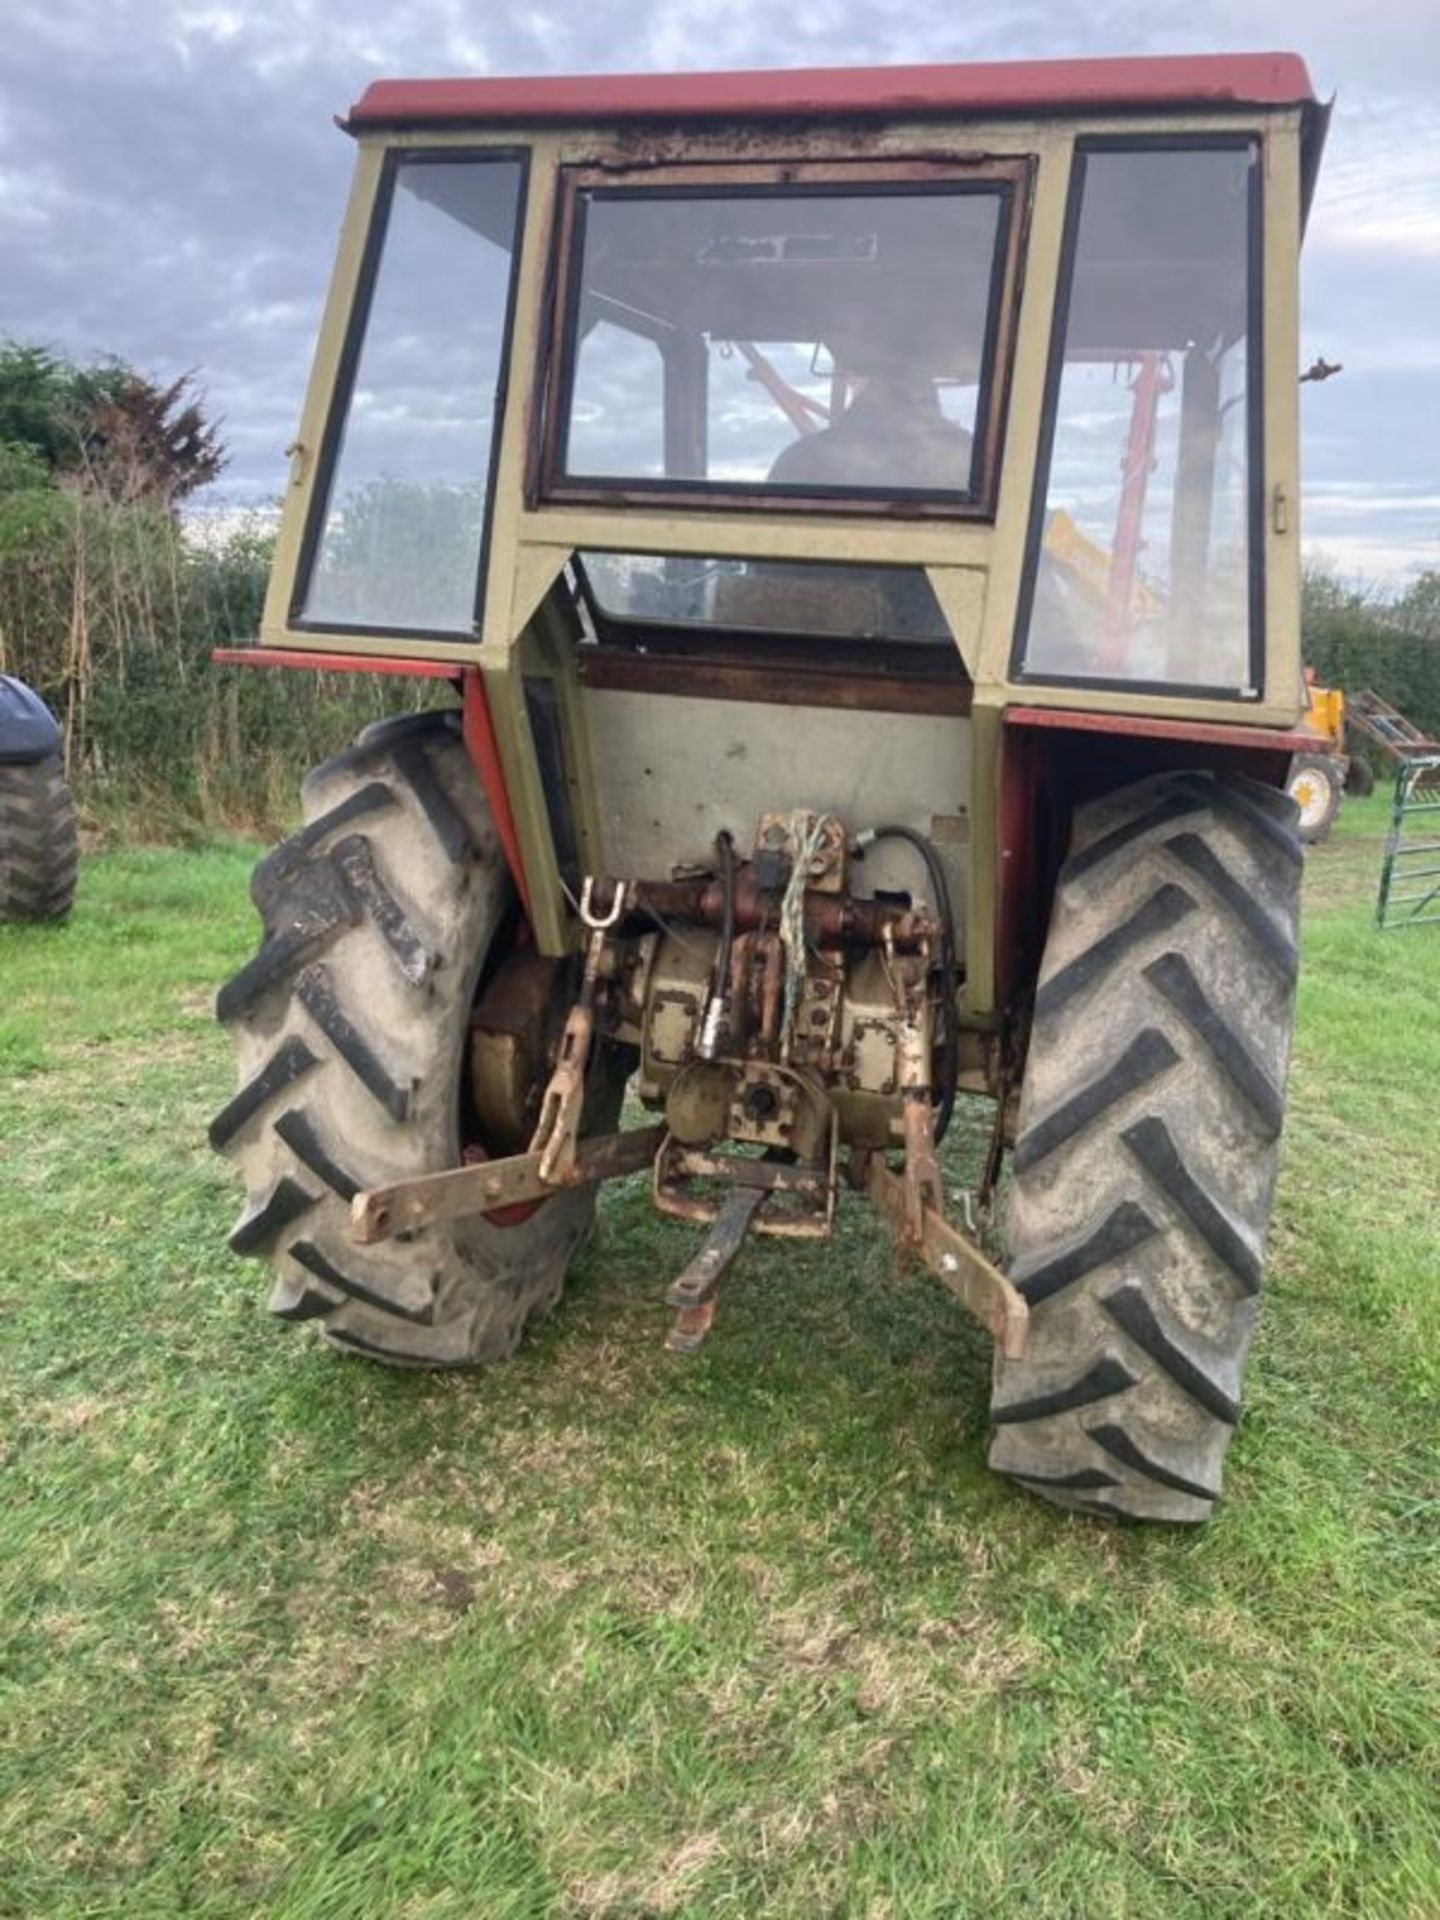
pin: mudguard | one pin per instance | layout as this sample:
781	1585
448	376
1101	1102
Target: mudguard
28	731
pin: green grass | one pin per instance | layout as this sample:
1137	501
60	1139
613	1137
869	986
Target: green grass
605	1633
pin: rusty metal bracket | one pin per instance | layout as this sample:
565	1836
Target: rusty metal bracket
409	1204
921	1180
693	1292
803	1195
557	1131
768	1176
956	1261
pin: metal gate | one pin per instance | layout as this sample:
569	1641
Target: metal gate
1410	877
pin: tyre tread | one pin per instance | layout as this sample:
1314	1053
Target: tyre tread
316	994
1172	807
1124	1229
297	1130
314	1261
1193	1372
1147	1055
257	1232
1117	1443
1108	1376
1153	1145
290	1060
449	825
1164	909
1281	952
1173	976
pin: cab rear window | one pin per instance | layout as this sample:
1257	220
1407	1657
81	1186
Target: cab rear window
835	341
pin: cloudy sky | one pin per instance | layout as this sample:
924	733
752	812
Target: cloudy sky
171	182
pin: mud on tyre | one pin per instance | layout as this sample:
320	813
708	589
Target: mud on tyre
351	1027
1145	1158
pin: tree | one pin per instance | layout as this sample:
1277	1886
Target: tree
1418	608
151	444
22	468
105	429
37	404
1354	638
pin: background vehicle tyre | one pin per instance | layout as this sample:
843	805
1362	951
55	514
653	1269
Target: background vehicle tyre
1145	1160
351	1025
1359	777
1315	785
38	847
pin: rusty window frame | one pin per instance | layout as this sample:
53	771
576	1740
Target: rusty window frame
1009	178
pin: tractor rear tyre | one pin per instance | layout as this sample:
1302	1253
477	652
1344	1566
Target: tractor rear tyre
1315	785
38	850
1145	1159
352	1028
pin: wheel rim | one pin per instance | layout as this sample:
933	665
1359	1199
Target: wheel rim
1310	791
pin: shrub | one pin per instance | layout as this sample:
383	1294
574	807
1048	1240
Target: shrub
111	612
1355	640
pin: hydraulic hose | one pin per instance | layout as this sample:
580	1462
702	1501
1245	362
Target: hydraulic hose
725	849
720	986
949	970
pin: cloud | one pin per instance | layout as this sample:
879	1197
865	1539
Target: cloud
171	180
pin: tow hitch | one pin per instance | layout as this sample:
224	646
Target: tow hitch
791	1019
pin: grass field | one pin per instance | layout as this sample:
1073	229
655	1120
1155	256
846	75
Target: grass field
606	1633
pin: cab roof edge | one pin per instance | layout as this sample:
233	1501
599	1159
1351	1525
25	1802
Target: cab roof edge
1220	80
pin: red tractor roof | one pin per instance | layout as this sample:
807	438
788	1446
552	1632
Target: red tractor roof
1001	87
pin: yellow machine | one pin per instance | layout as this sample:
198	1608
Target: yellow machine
1317	775
1321	773
1325	715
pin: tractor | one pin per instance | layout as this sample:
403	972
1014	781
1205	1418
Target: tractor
841	529
1326	769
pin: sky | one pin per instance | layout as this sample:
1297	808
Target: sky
171	184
